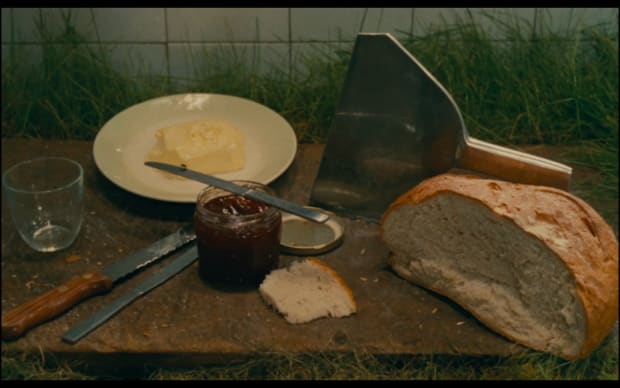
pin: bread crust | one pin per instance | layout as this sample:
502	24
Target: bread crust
336	277
567	225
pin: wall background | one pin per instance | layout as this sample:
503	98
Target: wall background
165	40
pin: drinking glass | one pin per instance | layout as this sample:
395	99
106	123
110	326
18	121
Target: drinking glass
45	197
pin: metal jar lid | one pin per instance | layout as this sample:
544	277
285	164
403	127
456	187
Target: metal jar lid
304	237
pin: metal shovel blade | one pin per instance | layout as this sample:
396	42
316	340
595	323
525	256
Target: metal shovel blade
395	126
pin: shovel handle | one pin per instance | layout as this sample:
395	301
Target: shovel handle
512	165
52	303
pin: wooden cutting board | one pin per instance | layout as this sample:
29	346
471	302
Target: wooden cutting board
185	322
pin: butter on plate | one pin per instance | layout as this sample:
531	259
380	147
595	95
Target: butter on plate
207	146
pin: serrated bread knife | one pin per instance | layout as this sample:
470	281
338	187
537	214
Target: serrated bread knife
60	299
169	270
289	207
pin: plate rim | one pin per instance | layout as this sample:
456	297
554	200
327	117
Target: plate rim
104	170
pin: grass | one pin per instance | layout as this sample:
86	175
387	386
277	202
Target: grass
602	364
555	88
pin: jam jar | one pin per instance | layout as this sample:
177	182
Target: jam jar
238	238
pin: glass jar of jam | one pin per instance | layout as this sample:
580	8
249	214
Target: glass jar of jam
238	238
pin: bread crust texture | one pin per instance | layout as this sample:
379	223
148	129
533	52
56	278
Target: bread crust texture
336	276
564	223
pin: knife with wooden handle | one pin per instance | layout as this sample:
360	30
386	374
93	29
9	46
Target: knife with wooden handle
60	299
89	324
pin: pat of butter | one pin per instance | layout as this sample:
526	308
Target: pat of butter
206	146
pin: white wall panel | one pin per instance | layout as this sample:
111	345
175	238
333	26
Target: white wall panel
139	59
227	24
305	52
559	19
30	54
432	19
326	24
25	22
188	58
396	21
142	35
130	24
6	25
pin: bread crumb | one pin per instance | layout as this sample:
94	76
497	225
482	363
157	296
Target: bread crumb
33	283
73	258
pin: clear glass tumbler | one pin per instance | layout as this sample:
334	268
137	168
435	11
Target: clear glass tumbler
45	197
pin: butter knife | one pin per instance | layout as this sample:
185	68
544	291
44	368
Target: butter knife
289	207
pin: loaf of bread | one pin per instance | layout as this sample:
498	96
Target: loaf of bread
308	290
534	264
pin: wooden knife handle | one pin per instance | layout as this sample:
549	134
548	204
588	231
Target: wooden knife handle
511	165
51	304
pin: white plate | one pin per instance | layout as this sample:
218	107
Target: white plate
121	146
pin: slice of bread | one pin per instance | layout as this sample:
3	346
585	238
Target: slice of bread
308	290
535	264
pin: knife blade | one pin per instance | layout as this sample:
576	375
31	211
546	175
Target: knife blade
89	324
60	299
293	208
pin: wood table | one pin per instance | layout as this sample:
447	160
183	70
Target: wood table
184	322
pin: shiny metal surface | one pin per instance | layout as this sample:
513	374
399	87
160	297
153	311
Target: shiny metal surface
146	256
293	208
89	324
395	125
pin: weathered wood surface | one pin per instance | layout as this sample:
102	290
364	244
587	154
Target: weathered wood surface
185	322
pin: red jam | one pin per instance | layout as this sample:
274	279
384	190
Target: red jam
238	239
235	205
